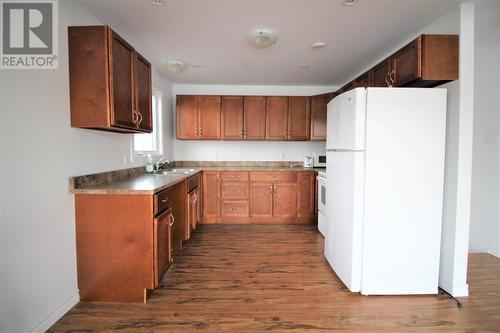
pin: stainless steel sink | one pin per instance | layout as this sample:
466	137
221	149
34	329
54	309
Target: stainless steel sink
177	171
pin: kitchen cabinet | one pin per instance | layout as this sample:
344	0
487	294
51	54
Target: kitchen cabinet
193	201
259	197
318	116
380	74
362	81
306	194
299	117
162	244
428	60
232	118
277	118
211	196
254	117
110	82
198	117
124	243
285	199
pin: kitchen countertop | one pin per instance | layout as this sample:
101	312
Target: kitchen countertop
153	183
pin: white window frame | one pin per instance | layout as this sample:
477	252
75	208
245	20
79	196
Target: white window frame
157	114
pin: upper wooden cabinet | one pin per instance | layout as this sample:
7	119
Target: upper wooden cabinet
254	117
380	74
243	118
427	61
198	117
276	118
110	83
318	116
232	118
299	118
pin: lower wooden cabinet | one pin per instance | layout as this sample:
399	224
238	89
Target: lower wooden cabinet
162	244
211	196
258	197
123	244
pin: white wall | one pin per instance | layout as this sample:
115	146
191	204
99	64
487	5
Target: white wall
39	152
246	150
485	223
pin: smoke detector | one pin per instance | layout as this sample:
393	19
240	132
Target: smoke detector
261	38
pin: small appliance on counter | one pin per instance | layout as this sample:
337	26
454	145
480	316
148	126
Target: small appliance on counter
319	159
308	162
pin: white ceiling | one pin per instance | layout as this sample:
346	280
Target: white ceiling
213	33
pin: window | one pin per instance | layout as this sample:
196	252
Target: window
150	143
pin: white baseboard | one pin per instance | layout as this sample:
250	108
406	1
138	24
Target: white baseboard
454	290
494	252
46	323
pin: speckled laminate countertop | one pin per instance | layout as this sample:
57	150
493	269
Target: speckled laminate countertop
150	184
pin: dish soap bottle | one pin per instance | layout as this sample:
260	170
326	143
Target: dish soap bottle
149	164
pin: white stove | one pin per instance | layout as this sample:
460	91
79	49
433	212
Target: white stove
322	202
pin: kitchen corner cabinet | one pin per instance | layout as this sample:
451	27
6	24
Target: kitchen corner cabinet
110	82
198	117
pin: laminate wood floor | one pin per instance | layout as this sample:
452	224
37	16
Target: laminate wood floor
248	278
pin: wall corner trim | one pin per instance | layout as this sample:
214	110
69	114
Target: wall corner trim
50	320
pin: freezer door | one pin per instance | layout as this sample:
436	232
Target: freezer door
346	115
344	197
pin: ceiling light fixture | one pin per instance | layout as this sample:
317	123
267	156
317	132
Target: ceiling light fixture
348	3
261	38
304	66
318	45
176	66
158	3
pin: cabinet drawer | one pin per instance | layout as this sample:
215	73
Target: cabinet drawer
161	201
234	208
234	190
193	182
274	176
234	176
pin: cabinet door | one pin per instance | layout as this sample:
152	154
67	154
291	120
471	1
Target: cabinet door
285	200
305	194
299	117
161	244
197	207
380	73
193	204
209	117
254	117
407	63
318	117
187	117
211	194
232	118
363	80
122	88
276	118
261	199
143	93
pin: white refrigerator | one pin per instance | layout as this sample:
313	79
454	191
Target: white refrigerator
385	176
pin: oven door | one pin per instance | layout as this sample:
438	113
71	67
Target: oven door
322	205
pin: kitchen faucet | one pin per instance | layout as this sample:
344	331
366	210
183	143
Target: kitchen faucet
161	163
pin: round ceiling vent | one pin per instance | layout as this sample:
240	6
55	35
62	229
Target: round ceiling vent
262	38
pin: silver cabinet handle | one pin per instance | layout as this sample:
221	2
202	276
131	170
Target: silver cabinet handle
173	219
140	117
135	116
387	79
391	79
164	200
